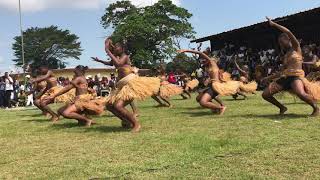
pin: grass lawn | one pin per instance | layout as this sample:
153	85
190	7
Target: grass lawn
249	142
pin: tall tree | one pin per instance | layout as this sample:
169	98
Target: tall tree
48	46
152	33
184	63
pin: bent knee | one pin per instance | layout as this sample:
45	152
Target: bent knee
265	95
203	103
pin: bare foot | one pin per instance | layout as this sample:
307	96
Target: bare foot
93	122
136	115
54	119
283	110
88	123
316	112
136	128
47	115
222	110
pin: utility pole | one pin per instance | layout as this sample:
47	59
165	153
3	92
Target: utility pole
22	46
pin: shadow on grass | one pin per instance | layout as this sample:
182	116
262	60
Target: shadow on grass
272	116
38	120
191	108
240	99
199	113
107	129
93	128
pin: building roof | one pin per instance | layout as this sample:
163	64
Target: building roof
294	22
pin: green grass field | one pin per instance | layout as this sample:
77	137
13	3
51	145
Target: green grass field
249	142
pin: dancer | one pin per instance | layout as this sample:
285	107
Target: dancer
291	78
167	89
184	79
50	89
130	86
191	84
216	87
133	104
245	86
83	103
309	59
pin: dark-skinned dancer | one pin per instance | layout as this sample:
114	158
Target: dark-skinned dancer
216	86
291	77
130	86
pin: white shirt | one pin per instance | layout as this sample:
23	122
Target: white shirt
9	84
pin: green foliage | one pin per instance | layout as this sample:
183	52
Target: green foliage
184	63
152	33
48	46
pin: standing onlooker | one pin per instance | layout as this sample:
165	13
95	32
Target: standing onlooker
172	78
9	89
2	92
113	81
29	92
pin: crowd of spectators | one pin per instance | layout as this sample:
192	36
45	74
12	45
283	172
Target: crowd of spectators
15	93
260	62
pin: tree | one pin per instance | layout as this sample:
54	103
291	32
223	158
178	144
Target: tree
184	63
48	46
152	33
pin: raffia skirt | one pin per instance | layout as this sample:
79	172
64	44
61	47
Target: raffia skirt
250	87
133	87
64	98
226	88
167	90
192	84
89	104
311	87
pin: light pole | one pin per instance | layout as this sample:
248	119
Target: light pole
22	46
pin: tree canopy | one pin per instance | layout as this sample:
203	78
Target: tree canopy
152	33
47	46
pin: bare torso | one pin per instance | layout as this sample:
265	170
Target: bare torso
213	71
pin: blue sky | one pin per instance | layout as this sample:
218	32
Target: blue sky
82	17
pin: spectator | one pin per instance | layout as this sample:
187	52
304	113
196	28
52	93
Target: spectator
30	95
2	92
9	90
172	78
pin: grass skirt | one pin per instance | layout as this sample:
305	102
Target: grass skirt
226	88
134	87
67	97
64	98
90	105
50	92
249	87
167	90
312	88
225	76
192	84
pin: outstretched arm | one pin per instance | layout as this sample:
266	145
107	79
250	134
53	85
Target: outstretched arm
42	78
314	61
238	67
108	63
203	55
294	40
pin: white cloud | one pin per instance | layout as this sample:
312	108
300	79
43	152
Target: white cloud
41	5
